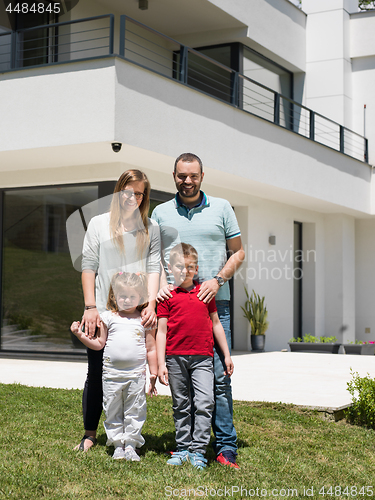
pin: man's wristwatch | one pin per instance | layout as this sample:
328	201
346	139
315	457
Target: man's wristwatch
220	280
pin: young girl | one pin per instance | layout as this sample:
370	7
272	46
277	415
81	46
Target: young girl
125	343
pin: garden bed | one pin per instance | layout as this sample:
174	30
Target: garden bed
363	349
322	347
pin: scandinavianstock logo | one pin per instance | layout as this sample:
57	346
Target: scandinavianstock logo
285	264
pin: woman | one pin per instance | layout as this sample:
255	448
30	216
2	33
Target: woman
124	239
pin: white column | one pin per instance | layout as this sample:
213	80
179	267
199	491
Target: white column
328	65
340	277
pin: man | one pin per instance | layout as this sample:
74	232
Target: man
209	224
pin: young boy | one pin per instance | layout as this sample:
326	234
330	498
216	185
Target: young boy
184	344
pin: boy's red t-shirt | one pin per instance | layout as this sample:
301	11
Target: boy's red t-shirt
189	327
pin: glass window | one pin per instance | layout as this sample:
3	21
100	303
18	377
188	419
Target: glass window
206	76
264	71
5	49
42	291
260	101
36	46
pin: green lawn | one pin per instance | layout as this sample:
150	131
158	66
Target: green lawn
280	448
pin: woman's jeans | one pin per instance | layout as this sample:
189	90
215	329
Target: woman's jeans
222	418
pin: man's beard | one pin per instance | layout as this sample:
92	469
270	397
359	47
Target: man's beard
189	194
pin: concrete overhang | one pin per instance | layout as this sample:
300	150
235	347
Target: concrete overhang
176	18
83	163
275	28
59	138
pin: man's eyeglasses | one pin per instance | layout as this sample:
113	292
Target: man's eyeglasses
128	193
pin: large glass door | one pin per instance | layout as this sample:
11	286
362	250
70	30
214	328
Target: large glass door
41	290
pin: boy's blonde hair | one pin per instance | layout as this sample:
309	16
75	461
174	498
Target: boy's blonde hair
182	250
138	281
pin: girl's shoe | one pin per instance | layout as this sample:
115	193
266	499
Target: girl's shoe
119	453
178	457
131	454
197	460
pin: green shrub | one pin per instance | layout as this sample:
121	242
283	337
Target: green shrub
329	340
362	390
256	313
311	339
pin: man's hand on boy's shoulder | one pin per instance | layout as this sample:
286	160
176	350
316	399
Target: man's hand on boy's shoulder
164	293
208	290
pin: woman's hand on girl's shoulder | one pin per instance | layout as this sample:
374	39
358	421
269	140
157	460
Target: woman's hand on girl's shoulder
91	321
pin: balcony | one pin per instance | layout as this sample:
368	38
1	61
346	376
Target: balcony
93	38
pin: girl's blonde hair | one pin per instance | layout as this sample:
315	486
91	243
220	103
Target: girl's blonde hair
138	281
143	238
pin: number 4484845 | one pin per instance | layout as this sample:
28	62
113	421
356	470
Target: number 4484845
34	8
350	491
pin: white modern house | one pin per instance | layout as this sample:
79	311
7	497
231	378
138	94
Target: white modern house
277	101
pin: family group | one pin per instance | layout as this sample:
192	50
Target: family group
157	289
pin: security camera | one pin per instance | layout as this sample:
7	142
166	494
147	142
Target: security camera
116	146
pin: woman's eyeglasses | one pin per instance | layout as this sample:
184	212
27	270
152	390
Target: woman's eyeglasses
128	193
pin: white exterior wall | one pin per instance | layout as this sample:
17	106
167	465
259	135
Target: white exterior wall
362	51
268	268
56	107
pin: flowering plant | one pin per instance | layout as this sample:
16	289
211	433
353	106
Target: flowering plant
362	342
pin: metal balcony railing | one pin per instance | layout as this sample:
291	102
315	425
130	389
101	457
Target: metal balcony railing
93	38
58	42
157	52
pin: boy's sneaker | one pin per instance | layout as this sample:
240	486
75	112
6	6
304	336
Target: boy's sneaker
119	453
227	457
197	460
178	457
131	454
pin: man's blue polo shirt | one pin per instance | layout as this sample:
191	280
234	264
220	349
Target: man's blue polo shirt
206	226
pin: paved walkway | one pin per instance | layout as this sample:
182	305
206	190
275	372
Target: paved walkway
305	379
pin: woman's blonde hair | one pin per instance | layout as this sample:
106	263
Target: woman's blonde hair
115	229
138	281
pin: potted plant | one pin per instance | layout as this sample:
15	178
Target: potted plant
360	347
256	313
310	343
